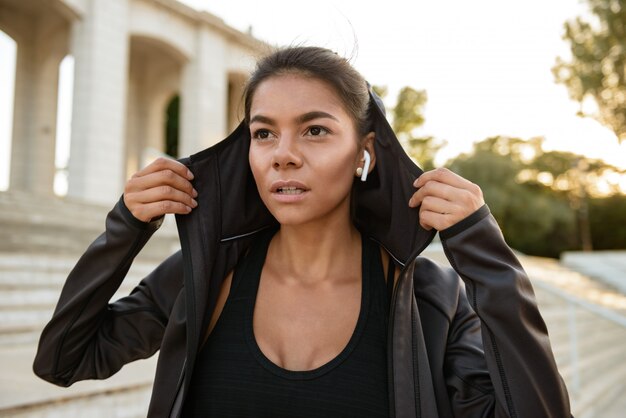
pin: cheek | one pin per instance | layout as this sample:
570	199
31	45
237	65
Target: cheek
336	170
256	162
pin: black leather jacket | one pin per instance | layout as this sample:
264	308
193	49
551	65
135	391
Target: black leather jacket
479	350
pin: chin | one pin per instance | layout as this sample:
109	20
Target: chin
290	219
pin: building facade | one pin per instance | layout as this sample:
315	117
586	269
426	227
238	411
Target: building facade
131	59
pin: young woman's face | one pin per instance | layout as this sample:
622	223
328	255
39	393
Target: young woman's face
304	149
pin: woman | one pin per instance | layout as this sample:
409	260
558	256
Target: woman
298	290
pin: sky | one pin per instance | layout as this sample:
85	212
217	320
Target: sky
485	64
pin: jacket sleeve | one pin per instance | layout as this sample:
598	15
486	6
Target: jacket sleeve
90	338
524	380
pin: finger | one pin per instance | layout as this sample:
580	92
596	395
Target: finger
154	210
443	175
162	193
436	189
165	177
429	220
438	205
163	163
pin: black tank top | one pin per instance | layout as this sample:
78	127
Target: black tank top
233	378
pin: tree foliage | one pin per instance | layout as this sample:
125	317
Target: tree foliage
607	222
408	111
527	212
172	114
598	65
543	201
407	117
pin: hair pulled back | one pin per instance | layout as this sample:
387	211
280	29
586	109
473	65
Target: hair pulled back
319	63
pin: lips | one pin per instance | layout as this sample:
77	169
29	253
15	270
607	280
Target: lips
289	187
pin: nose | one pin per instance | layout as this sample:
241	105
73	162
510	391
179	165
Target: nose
286	153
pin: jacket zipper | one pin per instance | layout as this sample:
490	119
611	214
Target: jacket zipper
178	390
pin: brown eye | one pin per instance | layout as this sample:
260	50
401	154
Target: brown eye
261	134
317	131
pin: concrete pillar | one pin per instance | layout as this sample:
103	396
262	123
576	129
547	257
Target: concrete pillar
97	153
41	47
236	84
204	95
154	77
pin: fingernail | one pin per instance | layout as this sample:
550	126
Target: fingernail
194	192
194	203
189	175
188	208
415	183
411	202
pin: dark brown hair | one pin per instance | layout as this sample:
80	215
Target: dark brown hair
320	63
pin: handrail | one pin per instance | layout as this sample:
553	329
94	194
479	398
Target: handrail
597	309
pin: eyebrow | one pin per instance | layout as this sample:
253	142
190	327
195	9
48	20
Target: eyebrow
307	117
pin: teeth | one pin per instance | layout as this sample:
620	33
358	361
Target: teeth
289	190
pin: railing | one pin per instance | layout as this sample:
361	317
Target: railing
589	342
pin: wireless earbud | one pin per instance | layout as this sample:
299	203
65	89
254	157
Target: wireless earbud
366	165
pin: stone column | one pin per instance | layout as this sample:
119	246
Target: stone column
204	95
97	153
236	84
41	47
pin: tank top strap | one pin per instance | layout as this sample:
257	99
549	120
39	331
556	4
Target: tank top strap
251	265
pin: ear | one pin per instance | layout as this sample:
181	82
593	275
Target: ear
368	145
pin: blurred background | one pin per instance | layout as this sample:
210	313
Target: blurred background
527	99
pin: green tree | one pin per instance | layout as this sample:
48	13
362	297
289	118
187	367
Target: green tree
407	117
598	64
545	202
381	91
408	113
172	116
533	218
607	218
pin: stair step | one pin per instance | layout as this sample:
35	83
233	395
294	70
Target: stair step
22	394
600	394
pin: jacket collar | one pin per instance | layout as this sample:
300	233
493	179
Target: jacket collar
381	203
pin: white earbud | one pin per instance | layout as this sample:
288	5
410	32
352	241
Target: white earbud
366	165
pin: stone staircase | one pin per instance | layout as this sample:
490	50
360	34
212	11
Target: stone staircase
590	349
608	267
40	241
29	288
60	226
30	285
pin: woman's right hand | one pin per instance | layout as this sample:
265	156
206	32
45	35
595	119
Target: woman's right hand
162	187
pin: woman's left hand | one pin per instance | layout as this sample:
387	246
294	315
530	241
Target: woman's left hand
445	198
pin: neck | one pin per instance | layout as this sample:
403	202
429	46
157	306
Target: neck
314	253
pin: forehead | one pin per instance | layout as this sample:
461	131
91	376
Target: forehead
294	94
